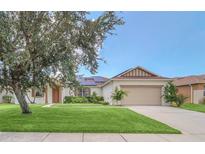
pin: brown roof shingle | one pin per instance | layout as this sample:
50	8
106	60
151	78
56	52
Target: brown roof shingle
189	80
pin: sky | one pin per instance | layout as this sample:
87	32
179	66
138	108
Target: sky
171	44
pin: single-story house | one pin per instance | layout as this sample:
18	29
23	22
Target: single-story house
142	86
192	87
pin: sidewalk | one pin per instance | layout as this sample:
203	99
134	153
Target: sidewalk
97	137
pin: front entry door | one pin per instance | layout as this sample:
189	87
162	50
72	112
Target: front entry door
56	94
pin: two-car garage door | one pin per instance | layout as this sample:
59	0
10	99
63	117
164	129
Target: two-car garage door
142	95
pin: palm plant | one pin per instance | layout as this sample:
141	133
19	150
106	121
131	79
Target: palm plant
118	95
180	100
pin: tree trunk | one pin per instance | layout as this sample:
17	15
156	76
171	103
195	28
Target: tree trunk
22	101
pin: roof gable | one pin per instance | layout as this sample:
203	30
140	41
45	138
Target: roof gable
136	72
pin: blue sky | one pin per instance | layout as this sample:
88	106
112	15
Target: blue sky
168	43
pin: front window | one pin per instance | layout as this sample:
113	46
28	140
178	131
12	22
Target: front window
84	91
37	93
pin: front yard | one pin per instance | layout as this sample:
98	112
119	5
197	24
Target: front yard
78	118
194	107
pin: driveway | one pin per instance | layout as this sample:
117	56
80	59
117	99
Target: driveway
190	123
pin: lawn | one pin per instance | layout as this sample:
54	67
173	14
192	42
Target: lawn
79	118
194	107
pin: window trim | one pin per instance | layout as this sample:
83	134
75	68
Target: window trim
83	93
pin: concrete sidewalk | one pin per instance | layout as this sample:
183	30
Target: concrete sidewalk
97	137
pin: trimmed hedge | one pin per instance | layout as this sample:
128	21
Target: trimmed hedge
75	99
95	99
89	99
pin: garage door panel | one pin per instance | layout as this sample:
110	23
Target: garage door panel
142	95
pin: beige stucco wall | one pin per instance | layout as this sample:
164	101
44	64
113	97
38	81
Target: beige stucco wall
38	100
97	90
67	92
107	92
3	93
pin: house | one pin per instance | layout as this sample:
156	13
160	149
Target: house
192	87
142	86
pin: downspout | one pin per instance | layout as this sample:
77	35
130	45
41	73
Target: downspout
191	93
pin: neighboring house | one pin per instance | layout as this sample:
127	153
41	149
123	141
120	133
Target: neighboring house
192	87
142	86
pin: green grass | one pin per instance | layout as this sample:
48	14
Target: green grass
79	118
194	107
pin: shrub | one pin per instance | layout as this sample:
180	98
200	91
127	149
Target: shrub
100	98
95	99
7	99
170	95
75	99
103	103
170	92
88	99
91	99
180	99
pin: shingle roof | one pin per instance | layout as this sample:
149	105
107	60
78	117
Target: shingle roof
195	79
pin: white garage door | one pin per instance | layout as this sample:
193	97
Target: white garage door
142	95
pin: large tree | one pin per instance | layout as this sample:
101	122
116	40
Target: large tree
37	48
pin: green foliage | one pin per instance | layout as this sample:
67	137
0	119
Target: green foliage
79	99
170	95
7	99
75	99
103	103
118	94
194	107
94	94
180	99
94	98
37	48
170	92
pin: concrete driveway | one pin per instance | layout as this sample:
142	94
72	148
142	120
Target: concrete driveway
190	123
